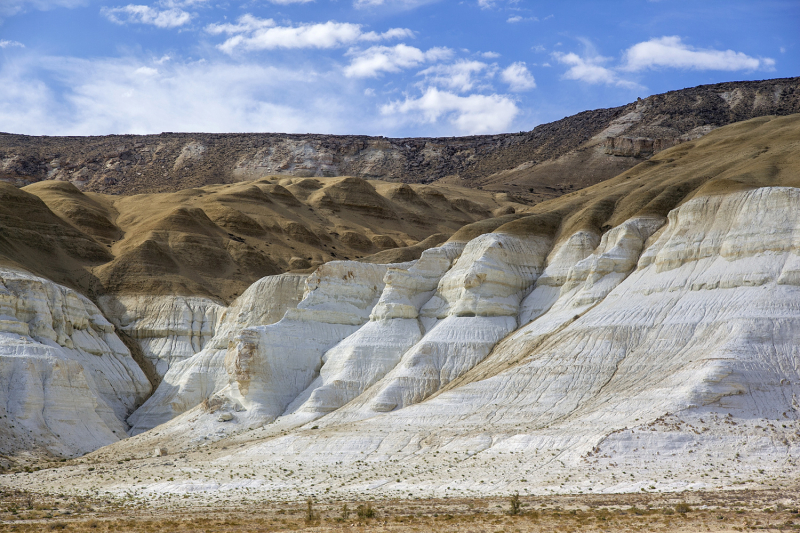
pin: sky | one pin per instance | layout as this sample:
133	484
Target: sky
397	68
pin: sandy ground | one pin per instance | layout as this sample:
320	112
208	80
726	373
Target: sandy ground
702	511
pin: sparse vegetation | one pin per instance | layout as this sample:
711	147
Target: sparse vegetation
312	517
715	512
365	511
515	506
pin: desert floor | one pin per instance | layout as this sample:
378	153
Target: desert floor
690	511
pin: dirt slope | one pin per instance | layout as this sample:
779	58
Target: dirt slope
218	239
761	152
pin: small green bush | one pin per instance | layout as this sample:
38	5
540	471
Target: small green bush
312	517
365	512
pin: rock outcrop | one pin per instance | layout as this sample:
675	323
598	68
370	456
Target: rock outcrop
647	323
537	164
67	382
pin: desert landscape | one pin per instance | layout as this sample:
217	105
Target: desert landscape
340	353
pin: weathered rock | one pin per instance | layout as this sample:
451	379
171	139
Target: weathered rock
67	382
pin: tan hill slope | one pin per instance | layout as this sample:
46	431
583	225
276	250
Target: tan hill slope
761	152
545	162
218	239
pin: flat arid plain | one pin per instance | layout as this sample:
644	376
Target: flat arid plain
279	346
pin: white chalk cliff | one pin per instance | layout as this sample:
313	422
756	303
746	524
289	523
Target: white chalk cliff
67	382
543	354
516	344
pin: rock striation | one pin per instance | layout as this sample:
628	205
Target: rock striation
651	329
67	382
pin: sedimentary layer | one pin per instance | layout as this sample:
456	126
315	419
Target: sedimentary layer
647	325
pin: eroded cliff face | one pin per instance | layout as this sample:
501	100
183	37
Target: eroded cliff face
507	362
535	164
520	352
67	382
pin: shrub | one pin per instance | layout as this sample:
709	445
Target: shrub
366	511
516	505
312	516
682	508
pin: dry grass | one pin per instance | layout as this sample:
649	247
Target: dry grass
218	239
762	152
718	512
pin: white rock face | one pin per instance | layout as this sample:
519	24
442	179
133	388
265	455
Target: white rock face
169	329
660	338
191	380
367	355
511	363
270	365
67	382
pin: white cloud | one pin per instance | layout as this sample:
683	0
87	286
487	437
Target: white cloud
9	8
376	60
518	77
287	2
11	44
392	4
146	71
459	76
517	18
590	70
473	114
252	33
140	14
671	52
490	55
98	97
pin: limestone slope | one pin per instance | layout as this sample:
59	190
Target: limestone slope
67	382
642	325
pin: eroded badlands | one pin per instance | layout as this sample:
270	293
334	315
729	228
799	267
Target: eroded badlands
661	355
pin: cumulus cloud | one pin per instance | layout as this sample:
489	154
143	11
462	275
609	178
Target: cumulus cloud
518	77
391	4
69	96
589	69
473	114
252	33
10	44
9	8
490	55
671	52
141	14
460	76
376	60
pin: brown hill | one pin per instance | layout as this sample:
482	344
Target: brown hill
218	239
550	160
761	152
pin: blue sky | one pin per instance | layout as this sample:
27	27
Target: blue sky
374	67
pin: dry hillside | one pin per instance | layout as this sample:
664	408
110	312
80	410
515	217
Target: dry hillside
549	160
218	239
761	152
